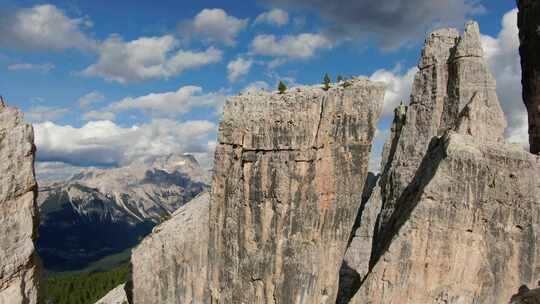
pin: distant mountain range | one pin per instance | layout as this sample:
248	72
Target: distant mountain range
100	212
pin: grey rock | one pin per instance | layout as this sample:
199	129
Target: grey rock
466	228
20	271
289	172
453	90
170	265
529	37
116	296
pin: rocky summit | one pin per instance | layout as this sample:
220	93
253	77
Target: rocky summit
289	171
288	179
121	205
20	271
456	208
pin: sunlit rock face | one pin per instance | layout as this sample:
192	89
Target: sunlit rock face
20	271
170	265
289	174
454	216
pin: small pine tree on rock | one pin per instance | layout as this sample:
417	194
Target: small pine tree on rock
339	78
282	87
326	82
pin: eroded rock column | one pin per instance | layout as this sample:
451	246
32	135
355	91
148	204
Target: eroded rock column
20	272
289	173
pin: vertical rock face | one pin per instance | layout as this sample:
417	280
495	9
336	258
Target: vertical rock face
529	36
19	264
457	207
170	265
466	229
289	173
453	90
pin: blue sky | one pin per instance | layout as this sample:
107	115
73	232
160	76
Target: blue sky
107	82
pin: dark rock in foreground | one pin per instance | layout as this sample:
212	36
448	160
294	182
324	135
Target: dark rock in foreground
529	37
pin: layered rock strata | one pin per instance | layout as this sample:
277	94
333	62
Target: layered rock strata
529	37
20	272
289	172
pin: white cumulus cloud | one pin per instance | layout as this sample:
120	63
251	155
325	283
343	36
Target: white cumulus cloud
214	25
104	143
398	87
146	58
43	27
176	102
277	17
502	53
238	68
302	46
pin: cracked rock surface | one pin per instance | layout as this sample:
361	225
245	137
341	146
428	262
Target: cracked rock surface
170	265
20	271
289	173
454	217
288	179
466	228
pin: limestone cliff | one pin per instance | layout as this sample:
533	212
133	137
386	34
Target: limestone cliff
170	265
529	37
20	272
289	173
466	229
453	90
288	178
457	209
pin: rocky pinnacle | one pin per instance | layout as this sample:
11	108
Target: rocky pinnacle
453	218
20	272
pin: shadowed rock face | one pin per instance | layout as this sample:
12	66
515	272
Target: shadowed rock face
20	272
289	173
529	36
